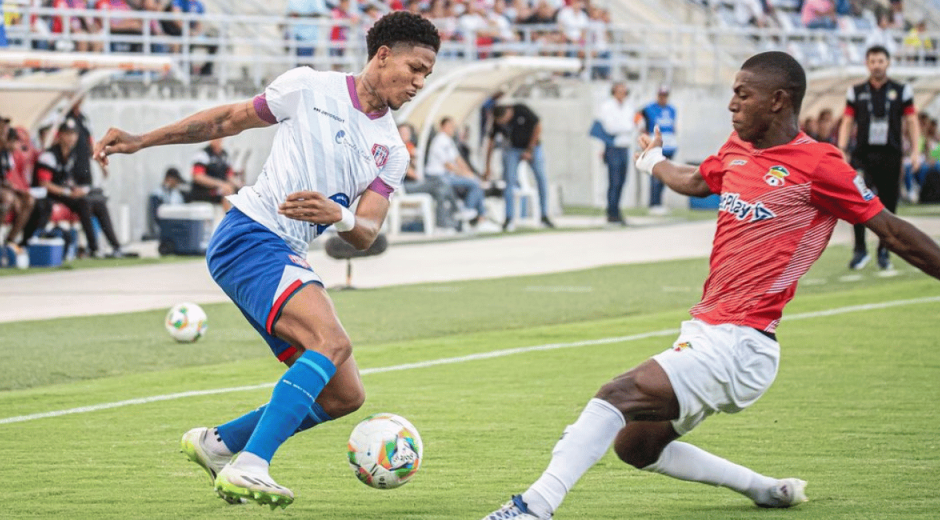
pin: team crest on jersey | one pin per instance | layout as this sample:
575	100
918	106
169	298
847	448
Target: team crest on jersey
862	188
380	152
299	261
679	347
892	95
776	176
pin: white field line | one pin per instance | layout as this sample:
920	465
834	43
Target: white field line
454	360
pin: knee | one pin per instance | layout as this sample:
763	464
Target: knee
637	452
337	406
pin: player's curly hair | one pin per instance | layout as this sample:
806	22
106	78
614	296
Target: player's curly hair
402	27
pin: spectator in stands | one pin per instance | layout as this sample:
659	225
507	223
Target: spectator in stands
339	35
213	176
751	13
521	134
918	46
445	200
818	14
573	22
827	131
442	16
170	192
882	108
55	171
370	15
156	26
600	38
616	116
124	30
305	31
662	114
505	34
897	15
475	26
881	35
444	161
77	26
810	127
543	14
14	190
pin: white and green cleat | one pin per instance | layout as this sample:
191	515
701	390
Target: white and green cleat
193	445
234	484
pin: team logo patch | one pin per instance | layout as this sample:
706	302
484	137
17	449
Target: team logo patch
299	261
776	176
380	152
892	95
738	162
862	188
679	347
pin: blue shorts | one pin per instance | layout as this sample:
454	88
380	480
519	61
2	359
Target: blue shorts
259	272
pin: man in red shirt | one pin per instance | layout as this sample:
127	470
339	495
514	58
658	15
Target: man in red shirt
781	195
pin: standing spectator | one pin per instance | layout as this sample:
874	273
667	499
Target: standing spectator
879	107
600	39
76	25
445	163
881	35
521	132
818	14
573	23
617	116
213	176
660	113
307	31
56	171
84	146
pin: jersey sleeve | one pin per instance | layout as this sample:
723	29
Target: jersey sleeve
712	170
907	100
850	102
282	97
45	166
393	172
200	163
839	190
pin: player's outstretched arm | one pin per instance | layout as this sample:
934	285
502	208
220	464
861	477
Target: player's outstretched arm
681	178
907	241
213	123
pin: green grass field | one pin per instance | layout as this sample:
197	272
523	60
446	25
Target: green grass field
853	410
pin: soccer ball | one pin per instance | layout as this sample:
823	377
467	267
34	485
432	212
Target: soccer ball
186	322
385	451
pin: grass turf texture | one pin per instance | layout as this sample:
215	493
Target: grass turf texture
850	412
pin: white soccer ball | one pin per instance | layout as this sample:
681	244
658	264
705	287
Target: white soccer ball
385	451
186	322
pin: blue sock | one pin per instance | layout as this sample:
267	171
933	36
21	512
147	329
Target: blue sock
291	402
235	433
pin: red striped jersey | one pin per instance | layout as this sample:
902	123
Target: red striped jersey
778	208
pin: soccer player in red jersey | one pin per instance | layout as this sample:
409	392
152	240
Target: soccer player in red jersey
781	194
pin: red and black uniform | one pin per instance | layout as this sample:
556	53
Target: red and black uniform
215	165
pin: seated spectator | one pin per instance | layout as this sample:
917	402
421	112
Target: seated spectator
500	20
818	14
442	16
213	176
750	13
573	22
444	161
918	47
475	26
339	35
882	35
55	171
826	127
122	29
77	26
16	203
170	193
445	200
306	30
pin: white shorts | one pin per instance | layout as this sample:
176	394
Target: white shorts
717	368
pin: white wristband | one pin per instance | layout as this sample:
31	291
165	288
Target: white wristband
347	223
648	159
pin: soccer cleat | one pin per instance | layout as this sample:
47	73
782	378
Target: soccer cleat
884	260
859	260
192	445
787	493
515	508
234	484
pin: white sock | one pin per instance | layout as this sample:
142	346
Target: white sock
581	446
686	462
215	444
250	462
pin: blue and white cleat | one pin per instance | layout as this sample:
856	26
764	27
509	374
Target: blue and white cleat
788	492
514	509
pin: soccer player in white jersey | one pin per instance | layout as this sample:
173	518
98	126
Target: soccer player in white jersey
336	142
781	195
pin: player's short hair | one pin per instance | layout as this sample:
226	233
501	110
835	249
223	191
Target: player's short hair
445	120
402	27
786	73
877	49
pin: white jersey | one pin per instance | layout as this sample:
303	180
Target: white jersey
324	143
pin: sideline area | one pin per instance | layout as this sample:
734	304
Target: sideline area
112	290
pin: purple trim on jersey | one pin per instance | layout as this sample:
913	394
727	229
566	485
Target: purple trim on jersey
381	187
354	97
261	108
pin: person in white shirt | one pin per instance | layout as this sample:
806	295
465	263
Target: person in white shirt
574	22
617	118
445	162
336	143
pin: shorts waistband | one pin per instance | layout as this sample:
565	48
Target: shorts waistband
770	335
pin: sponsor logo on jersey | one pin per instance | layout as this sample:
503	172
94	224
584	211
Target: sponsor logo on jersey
776	176
340	198
340	136
738	162
862	188
679	347
299	261
744	210
380	152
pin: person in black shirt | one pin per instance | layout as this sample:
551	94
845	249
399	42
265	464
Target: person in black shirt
56	171
879	108
213	177
521	131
